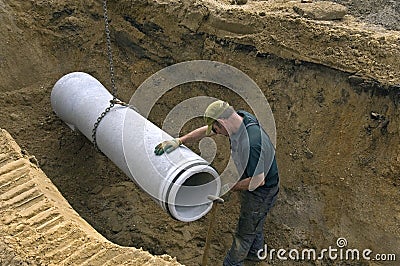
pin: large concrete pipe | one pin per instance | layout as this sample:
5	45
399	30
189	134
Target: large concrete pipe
179	181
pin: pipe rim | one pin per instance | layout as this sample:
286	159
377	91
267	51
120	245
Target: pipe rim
204	206
171	178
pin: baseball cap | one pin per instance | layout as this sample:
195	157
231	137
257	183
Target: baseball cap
213	112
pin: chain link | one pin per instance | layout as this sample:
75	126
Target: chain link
113	87
109	52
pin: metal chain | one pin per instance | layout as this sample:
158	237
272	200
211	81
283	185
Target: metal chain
113	87
109	52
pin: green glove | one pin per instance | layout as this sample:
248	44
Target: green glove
167	146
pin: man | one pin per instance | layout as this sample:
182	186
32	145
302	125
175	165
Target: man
254	157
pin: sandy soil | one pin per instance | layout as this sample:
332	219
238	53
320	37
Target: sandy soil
340	166
39	227
383	13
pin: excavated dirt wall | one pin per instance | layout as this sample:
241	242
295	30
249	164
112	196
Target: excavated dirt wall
38	226
332	86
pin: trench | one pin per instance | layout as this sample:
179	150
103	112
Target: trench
337	131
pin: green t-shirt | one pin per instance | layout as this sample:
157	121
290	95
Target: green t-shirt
253	151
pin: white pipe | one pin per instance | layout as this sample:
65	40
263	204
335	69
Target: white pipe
179	181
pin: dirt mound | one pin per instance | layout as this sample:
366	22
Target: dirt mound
38	227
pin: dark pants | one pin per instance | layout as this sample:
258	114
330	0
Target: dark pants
249	237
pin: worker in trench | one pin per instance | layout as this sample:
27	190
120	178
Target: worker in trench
254	157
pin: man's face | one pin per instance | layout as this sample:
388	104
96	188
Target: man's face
218	128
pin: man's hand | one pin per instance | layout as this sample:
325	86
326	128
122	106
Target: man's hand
240	186
167	146
250	183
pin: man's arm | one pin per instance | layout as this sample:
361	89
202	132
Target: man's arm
195	135
170	145
250	183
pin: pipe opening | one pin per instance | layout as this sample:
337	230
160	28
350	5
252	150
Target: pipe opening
190	202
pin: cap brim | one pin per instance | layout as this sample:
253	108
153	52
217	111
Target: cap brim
209	129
